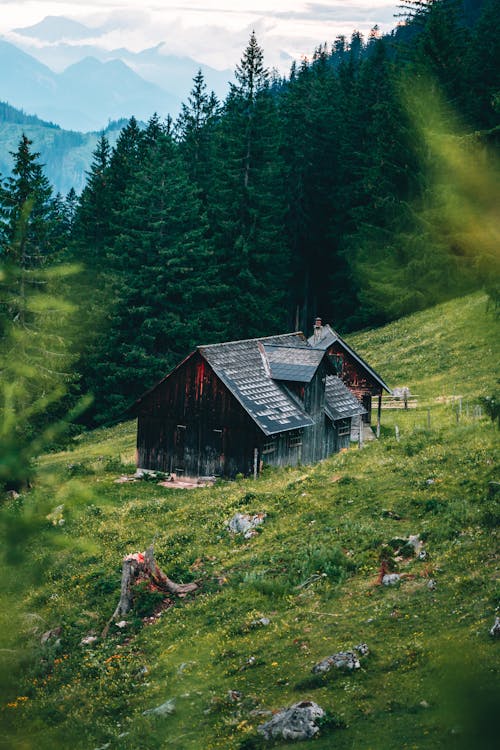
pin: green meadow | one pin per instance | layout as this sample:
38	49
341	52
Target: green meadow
430	679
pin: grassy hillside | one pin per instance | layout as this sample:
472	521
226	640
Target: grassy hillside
429	680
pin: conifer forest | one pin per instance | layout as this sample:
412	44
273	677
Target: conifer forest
360	187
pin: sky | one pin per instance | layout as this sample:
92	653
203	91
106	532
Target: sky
212	31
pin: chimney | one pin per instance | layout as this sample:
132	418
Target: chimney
318	329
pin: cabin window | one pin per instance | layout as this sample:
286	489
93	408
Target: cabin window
269	447
294	441
343	427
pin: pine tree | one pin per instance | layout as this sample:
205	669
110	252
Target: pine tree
162	289
91	225
27	213
248	203
195	130
482	73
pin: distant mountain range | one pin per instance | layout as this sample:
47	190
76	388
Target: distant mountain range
59	71
54	70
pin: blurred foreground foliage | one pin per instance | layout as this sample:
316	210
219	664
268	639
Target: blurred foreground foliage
38	335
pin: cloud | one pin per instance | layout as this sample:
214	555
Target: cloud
213	31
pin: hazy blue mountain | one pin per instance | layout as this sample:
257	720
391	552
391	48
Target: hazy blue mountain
173	72
55	28
24	80
66	155
59	48
84	96
110	88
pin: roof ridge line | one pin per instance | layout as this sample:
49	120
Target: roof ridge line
256	338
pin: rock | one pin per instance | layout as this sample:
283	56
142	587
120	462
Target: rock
414	541
54	633
122	624
390	579
234	696
341	660
166	709
362	648
495	629
261	622
88	640
243	523
431	584
295	723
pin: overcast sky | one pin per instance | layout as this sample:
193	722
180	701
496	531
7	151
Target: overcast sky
211	31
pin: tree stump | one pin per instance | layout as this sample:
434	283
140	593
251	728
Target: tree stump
142	566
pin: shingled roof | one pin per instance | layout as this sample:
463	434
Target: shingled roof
339	401
242	368
292	363
327	337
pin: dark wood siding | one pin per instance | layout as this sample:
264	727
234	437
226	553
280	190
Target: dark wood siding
314	402
356	378
191	424
284	449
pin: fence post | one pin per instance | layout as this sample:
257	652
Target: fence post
255	462
428	419
396	430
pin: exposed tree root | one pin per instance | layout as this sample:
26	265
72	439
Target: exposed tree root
142	566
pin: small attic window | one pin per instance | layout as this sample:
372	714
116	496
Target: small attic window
294	441
343	427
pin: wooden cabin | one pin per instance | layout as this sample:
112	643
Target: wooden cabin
231	408
358	376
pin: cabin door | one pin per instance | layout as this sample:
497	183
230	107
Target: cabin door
366	400
178	458
218	452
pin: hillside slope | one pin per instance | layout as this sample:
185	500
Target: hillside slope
66	155
311	572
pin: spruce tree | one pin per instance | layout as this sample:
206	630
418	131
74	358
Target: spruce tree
92	221
162	290
195	129
27	212
248	200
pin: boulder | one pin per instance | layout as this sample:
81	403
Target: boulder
495	629
390	579
341	660
295	723
362	649
244	523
